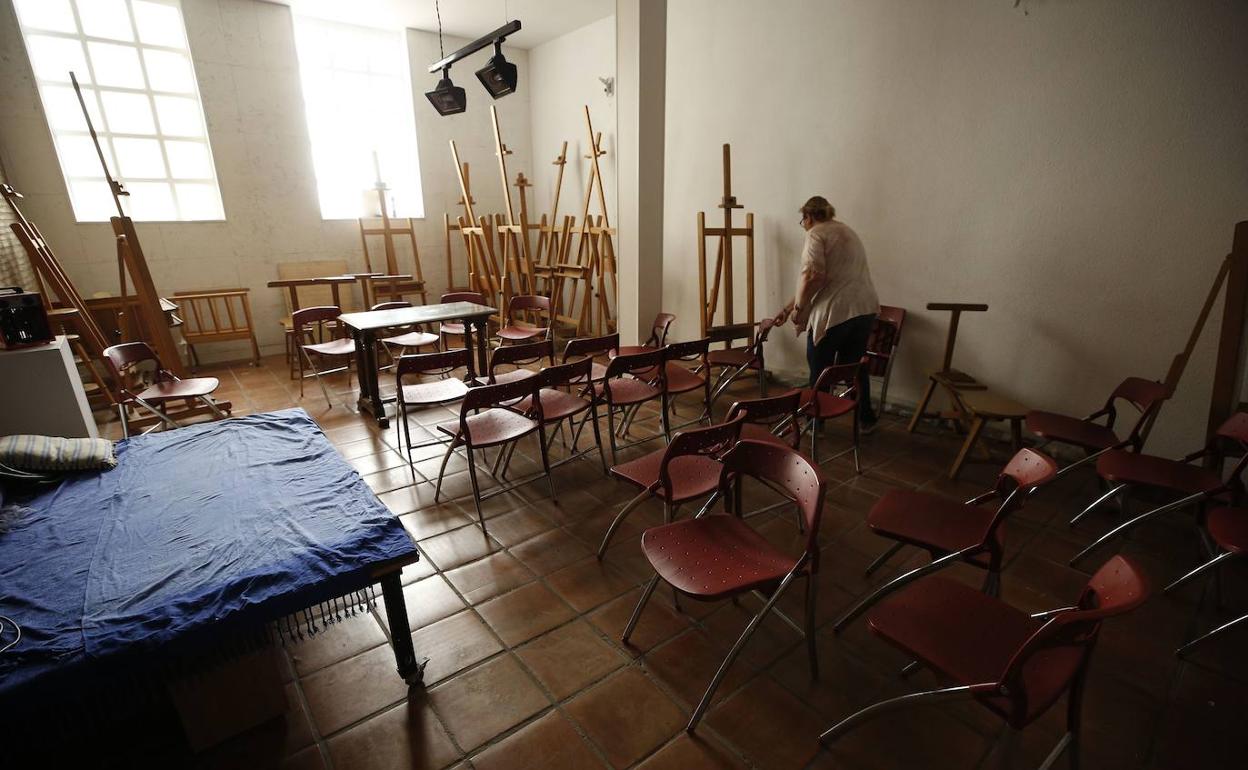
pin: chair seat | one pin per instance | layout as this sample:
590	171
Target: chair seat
714	556
514	375
825	404
626	391
692	475
1229	528
1124	467
492	426
754	432
928	521
1071	430
412	340
629	350
168	390
735	357
338	347
970	637
596	372
520	332
434	392
451	327
556	404
682	380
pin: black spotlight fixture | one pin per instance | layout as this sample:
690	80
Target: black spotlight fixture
448	98
499	76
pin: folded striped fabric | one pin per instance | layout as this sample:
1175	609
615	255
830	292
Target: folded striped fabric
53	453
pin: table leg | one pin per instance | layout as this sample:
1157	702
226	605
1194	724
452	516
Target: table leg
472	374
412	671
366	368
483	328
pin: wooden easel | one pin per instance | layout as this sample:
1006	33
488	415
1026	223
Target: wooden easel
724	265
518	277
595	264
483	270
947	377
550	236
387	231
449	228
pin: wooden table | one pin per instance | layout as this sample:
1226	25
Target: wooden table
364	327
292	285
368	281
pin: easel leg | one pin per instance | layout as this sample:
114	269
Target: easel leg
971	437
922	406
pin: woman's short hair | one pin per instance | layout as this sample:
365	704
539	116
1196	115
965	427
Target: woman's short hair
818	209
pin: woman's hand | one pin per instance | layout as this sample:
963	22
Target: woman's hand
780	318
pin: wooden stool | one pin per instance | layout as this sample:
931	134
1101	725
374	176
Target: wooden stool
979	407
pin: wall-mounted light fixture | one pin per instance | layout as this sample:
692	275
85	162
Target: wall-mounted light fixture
499	76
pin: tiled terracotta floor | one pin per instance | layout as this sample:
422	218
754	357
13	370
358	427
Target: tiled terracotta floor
522	627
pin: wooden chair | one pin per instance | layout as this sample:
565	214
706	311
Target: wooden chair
411	336
456	328
221	315
130	363
320	326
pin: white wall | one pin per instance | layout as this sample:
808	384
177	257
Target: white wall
564	79
245	61
1080	169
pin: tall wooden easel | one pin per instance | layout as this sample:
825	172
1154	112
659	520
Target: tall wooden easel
517	260
451	229
483	270
388	230
724	264
550	236
593	274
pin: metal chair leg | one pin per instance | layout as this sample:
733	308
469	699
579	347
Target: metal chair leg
895	584
641	604
883	558
550	479
476	489
437	489
885	706
736	650
619	518
1185	649
593	411
1131	523
1206	566
1097	503
812	648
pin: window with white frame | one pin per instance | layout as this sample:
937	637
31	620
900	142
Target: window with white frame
358	99
132	62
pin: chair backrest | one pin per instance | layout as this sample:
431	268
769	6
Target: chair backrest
658	330
693	350
1026	471
518	355
1056	655
1234	431
649	363
841	374
322	294
503	394
711	441
122	357
463	296
884	339
522	302
394	305
442	362
564	375
771	412
1145	395
314	316
590	346
784	469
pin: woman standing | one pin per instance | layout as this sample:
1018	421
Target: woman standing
835	300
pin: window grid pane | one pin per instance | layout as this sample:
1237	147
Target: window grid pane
138	82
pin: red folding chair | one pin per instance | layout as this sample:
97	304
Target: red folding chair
489	416
950	531
882	347
1227	532
656	340
565	393
517	357
591	347
456	328
1014	664
423	395
519	306
719	556
734	362
1195	485
137	389
686	469
773	420
321	323
1091	436
835	395
628	383
414	338
682	379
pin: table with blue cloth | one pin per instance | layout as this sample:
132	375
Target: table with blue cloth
200	535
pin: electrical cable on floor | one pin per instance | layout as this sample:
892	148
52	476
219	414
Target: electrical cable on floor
16	639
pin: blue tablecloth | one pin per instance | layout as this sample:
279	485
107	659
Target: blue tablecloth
197	532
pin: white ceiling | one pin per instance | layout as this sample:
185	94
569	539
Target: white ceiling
542	20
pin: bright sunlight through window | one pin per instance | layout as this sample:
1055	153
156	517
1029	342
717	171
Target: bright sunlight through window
132	61
359	107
